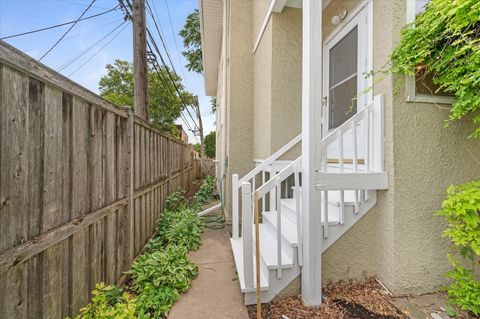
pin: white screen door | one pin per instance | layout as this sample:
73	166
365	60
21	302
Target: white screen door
347	58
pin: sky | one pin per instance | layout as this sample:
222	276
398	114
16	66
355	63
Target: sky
18	16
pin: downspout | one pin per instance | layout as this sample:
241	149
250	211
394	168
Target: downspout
223	160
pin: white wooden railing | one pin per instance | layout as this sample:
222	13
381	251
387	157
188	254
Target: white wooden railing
354	147
250	177
274	184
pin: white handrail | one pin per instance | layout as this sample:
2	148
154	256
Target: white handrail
236	182
271	159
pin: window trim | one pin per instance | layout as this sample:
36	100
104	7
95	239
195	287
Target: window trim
411	95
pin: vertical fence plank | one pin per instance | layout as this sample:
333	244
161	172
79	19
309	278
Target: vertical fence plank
80	288
36	113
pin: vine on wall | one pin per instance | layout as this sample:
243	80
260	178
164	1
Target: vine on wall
446	42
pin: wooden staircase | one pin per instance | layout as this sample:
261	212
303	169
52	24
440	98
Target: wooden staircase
347	188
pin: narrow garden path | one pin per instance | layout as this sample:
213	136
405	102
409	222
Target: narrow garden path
215	293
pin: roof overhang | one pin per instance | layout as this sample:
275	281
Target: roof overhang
211	21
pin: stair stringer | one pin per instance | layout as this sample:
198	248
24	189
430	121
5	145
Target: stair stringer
337	231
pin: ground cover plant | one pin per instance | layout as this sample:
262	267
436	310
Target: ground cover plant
163	271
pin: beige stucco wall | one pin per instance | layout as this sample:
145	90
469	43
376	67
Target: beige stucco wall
286	111
262	92
239	129
428	157
367	248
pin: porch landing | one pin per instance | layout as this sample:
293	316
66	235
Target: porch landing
215	293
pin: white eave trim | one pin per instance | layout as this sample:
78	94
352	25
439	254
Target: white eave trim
211	23
275	6
278	6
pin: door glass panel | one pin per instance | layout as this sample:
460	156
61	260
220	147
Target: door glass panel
343	79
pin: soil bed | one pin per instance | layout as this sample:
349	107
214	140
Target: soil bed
365	300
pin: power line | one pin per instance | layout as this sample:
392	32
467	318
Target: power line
78	56
59	25
66	32
76	35
78	4
99	50
156	65
173	34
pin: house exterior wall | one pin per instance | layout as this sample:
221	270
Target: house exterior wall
399	239
366	249
427	159
239	122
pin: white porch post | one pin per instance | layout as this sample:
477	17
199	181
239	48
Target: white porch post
311	104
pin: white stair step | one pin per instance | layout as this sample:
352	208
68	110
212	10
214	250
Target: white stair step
268	249
289	228
333	208
237	248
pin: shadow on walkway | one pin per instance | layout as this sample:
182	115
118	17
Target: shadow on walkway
215	293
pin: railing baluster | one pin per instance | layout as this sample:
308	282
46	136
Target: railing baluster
235	219
273	195
247	235
325	214
298	209
367	140
263	198
279	230
355	161
342	192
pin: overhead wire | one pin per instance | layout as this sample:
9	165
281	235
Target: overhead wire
58	25
173	35
99	50
68	30
78	56
168	78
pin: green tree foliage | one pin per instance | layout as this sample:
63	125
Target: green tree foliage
210	139
446	41
164	105
192	41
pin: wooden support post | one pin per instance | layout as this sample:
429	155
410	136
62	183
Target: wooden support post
140	67
311	106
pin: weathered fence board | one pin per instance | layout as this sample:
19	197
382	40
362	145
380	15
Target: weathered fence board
82	184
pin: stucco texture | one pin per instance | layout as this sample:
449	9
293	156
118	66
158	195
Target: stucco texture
239	129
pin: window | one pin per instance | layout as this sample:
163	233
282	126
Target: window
420	88
343	80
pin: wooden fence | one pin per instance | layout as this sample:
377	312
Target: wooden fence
82	183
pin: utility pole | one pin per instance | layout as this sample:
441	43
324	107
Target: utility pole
200	127
140	67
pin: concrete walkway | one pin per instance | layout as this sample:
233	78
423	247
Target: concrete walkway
215	293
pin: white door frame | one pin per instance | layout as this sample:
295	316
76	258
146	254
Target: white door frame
361	17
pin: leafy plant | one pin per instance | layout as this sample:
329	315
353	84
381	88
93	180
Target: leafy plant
461	210
159	278
446	42
109	302
204	193
175	199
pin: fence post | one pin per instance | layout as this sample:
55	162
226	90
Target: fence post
130	138
169	165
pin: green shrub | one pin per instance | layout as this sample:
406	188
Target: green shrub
175	199
204	193
159	277
461	210
109	302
